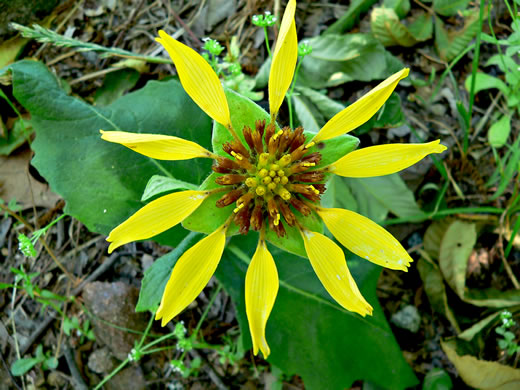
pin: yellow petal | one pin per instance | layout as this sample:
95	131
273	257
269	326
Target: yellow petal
160	147
284	60
198	79
328	261
156	217
365	238
261	290
191	274
383	159
362	110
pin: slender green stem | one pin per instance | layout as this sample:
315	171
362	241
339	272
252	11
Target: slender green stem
148	327
291	91
203	317
111	375
443	213
476	57
266	35
509	246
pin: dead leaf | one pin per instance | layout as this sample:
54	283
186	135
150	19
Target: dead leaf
17	183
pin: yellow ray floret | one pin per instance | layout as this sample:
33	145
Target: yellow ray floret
329	264
261	290
383	159
362	110
284	60
198	79
365	238
191	274
160	147
156	217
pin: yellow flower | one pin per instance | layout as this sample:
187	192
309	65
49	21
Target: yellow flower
269	182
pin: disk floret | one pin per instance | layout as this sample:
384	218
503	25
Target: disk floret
269	178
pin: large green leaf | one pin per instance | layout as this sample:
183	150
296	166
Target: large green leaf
337	59
378	195
309	334
102	182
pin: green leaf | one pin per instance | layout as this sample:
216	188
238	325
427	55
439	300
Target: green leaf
510	170
485	81
350	18
21	366
437	379
309	334
337	59
477	328
435	289
102	182
387	28
20	133
449	7
327	107
450	43
481	374
456	247
401	7
307	114
161	184
156	277
499	132
115	85
388	193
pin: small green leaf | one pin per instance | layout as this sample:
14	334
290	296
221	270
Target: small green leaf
449	7
21	366
387	28
156	277
485	81
158	185
350	18
450	43
307	114
327	107
499	132
437	379
401	7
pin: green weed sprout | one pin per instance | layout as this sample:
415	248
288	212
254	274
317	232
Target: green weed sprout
48	362
26	244
507	343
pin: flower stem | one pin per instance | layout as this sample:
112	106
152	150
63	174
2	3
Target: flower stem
291	91
266	35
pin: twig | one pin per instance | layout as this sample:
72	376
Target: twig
77	381
210	371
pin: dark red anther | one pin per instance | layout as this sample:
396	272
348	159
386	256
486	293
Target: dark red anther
272	208
312	158
260	126
248	136
288	215
231	179
240	148
298	140
230	197
269	132
278	229
257	216
286	139
320	187
226	163
309	177
243	219
300	206
257	140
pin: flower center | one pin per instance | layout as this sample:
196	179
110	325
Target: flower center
269	179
